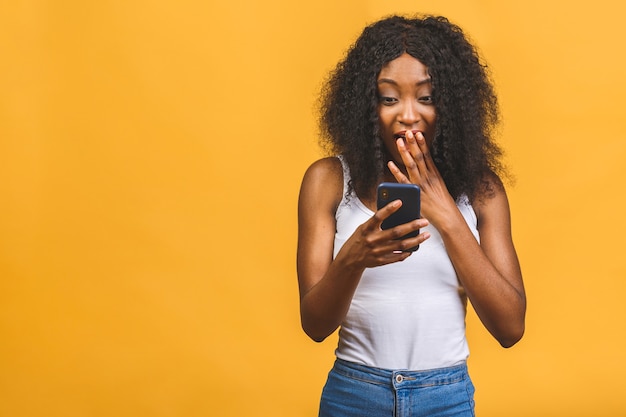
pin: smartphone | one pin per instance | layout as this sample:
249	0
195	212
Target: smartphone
410	210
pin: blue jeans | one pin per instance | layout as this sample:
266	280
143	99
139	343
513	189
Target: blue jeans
362	391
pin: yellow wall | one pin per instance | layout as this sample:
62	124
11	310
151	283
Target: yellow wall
150	159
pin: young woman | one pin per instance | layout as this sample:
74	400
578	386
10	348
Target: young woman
410	103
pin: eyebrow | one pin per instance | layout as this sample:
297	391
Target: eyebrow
390	81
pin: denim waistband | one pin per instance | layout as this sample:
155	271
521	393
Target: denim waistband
402	378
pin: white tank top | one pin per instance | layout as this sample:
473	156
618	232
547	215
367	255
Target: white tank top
406	315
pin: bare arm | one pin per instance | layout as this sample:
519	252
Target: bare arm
326	284
489	271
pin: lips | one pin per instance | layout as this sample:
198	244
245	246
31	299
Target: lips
402	134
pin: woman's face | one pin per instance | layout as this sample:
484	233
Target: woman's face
405	102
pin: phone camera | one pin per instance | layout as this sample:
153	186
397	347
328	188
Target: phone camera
384	194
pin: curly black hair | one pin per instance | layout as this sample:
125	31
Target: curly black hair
463	149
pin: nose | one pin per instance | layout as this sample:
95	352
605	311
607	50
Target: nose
409	114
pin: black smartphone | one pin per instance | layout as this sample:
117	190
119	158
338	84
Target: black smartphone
410	210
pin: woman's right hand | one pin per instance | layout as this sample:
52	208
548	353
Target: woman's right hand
370	246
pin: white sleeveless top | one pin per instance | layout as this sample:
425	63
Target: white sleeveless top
406	315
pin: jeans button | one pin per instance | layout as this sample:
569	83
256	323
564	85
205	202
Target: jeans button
399	378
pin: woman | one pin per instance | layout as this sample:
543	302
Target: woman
410	103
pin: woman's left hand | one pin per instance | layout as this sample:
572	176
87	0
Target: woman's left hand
436	201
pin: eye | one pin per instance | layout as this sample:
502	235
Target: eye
426	99
388	101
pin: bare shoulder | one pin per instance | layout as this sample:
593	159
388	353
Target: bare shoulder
492	203
322	183
325	169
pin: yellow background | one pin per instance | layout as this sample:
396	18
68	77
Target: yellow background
150	159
